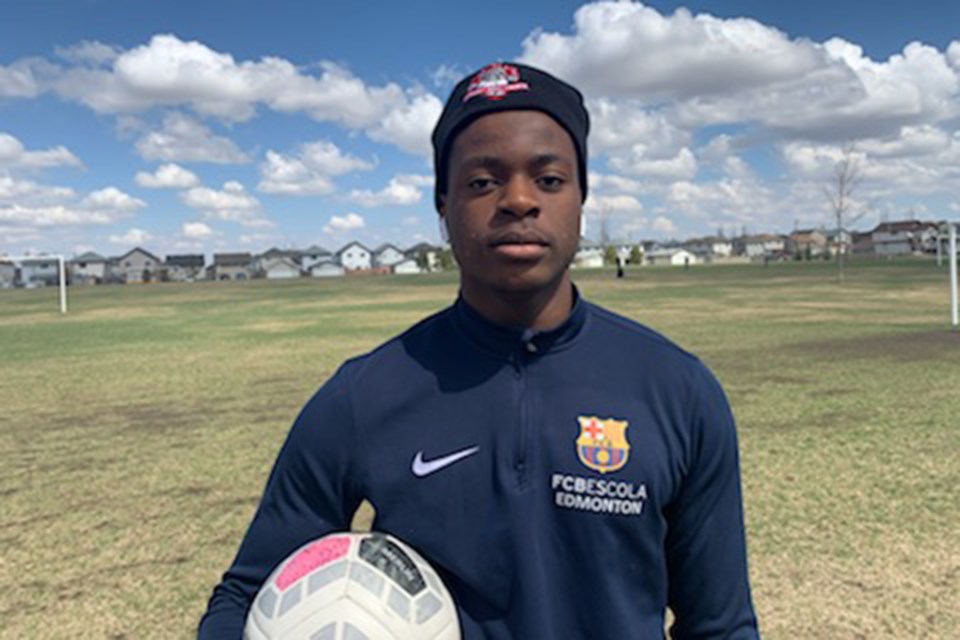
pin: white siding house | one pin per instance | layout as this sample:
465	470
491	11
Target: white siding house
675	256
355	256
406	266
279	268
326	269
387	255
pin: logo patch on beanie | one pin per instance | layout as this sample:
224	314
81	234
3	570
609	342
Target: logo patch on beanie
495	81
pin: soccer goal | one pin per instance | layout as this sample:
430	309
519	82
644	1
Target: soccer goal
32	271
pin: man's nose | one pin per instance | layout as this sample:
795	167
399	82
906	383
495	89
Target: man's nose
519	198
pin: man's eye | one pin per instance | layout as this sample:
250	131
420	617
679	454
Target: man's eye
551	182
479	184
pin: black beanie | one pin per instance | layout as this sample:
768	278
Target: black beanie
509	86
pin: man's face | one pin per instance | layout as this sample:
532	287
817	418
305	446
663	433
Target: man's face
513	203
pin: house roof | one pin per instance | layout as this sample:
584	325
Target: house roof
352	244
421	246
274	252
385	246
192	260
141	250
89	256
315	250
903	225
273	262
232	259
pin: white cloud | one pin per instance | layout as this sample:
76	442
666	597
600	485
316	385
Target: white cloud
664	225
14	155
231	204
195	230
410	221
620	124
308	172
627	49
408	126
18	81
111	199
167	176
682	166
89	52
401	190
342	224
701	70
133	236
183	139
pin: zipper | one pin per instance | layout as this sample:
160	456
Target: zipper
521	374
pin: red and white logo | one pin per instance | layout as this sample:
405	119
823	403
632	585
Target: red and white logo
495	81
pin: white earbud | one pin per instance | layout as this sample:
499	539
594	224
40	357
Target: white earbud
444	232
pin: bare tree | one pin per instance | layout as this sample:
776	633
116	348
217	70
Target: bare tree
846	177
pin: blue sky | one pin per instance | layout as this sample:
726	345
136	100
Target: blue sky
236	125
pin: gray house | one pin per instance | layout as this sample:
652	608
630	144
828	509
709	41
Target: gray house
88	268
138	265
185	268
232	266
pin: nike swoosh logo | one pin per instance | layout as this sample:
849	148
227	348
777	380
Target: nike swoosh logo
423	467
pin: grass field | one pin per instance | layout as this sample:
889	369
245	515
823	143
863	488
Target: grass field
136	434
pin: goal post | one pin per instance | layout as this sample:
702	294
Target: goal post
61	271
954	312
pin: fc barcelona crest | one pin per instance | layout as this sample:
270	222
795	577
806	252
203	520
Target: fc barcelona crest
602	444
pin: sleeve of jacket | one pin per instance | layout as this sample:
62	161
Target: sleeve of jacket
310	492
708	590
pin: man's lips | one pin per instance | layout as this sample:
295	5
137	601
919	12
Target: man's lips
520	245
519	238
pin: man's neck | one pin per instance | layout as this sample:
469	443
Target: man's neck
543	309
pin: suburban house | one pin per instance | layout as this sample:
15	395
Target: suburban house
904	238
328	268
759	246
589	255
138	265
354	257
185	268
231	266
314	255
278	268
673	256
39	271
710	246
88	268
807	243
271	256
406	266
387	255
838	241
8	274
426	255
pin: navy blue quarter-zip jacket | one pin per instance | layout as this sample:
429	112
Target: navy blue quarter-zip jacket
567	484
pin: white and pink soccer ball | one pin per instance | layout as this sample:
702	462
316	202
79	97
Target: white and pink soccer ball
353	586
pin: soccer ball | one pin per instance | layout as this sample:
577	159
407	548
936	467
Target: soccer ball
353	586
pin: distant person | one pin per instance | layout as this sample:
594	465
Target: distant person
569	472
619	267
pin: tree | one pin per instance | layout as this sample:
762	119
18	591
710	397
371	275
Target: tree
846	177
636	257
610	255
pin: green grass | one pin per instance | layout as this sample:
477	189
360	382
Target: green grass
137	431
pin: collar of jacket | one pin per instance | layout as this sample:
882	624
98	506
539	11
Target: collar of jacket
506	340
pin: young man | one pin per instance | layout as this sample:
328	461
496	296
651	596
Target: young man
569	472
